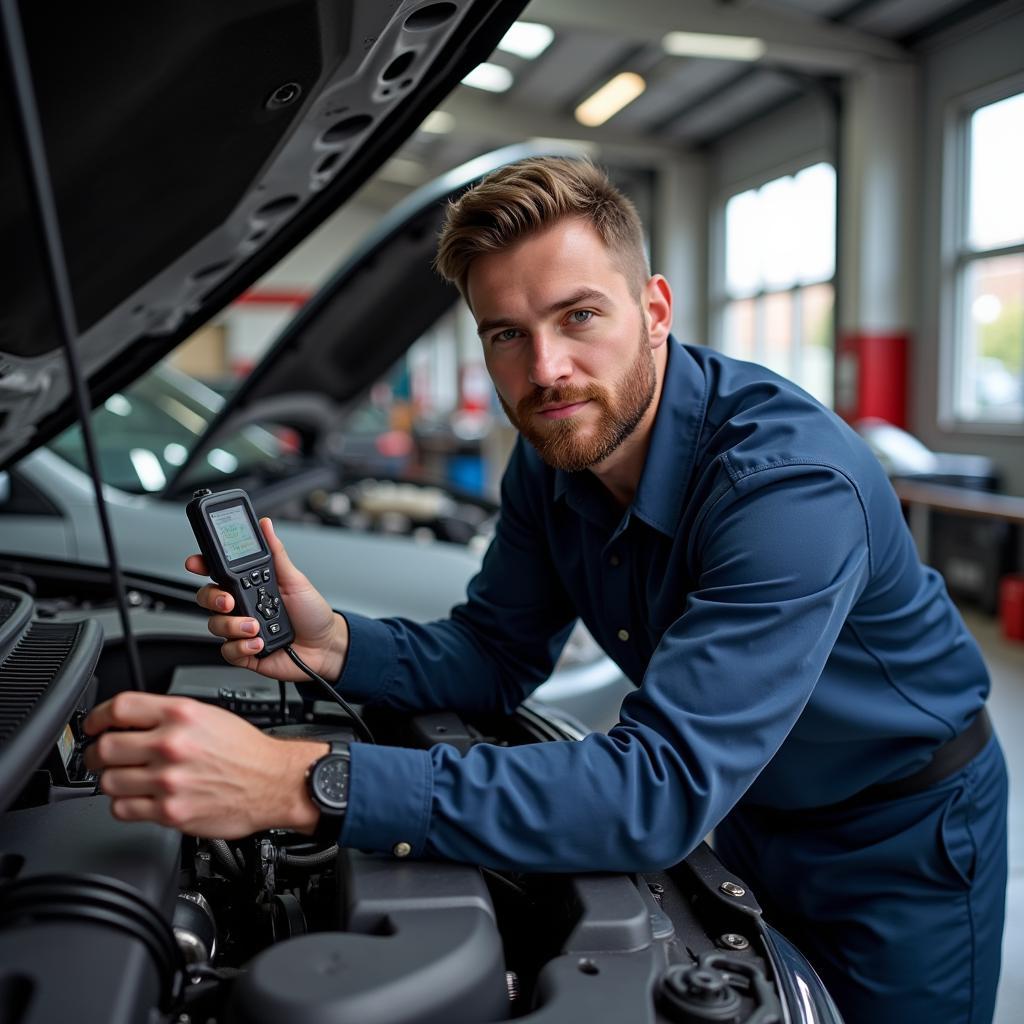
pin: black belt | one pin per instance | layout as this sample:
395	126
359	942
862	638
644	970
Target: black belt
947	760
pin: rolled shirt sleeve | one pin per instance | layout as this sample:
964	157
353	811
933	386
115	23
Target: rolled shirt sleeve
783	555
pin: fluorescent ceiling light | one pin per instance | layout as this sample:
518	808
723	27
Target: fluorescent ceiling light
438	122
702	44
491	77
118	404
222	460
527	39
610	99
175	454
147	468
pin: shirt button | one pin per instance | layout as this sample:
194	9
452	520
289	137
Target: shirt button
623	635
614	560
401	849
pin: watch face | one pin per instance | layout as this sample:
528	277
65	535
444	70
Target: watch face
330	782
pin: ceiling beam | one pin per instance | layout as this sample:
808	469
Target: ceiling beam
791	40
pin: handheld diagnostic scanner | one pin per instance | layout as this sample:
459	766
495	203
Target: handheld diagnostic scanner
239	561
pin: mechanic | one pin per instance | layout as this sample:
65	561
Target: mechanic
805	687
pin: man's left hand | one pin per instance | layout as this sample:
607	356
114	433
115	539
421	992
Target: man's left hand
198	768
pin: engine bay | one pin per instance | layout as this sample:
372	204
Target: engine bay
107	921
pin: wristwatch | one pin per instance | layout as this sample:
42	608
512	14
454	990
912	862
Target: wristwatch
327	784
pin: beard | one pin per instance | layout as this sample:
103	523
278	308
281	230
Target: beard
565	444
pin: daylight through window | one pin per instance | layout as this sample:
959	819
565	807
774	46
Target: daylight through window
776	304
989	274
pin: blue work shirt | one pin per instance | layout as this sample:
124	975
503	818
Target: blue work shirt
762	592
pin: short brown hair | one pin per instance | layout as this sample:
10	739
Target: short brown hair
530	195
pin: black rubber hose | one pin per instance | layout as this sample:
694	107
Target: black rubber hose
100	901
320	859
224	857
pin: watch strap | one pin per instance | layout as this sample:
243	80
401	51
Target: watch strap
328	826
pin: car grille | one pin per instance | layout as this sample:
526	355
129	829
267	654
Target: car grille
30	669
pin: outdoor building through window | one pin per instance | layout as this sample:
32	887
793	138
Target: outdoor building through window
988	328
775	306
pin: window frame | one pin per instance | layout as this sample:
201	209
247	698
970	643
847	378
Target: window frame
957	254
719	297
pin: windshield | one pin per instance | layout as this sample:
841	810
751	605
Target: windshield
145	433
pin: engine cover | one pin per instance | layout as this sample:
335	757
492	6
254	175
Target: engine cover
422	947
84	901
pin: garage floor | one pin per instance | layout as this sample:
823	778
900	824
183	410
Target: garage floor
1006	663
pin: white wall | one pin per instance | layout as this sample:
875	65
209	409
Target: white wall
878	200
309	265
772	145
952	70
679	229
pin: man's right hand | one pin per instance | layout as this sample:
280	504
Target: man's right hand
321	635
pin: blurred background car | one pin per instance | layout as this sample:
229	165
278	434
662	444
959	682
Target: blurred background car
905	457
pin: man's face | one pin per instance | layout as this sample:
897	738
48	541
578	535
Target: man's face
566	343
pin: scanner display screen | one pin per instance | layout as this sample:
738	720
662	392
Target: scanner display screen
235	532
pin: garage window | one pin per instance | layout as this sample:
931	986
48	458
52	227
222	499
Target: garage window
988	265
776	298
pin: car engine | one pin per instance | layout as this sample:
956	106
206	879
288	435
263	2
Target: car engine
114	922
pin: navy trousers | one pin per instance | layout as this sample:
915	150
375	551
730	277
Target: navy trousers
899	905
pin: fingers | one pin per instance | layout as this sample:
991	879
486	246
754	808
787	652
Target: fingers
128	710
232	627
241	653
120	749
168	811
213	599
240	631
132	782
196	564
138	808
287	574
241	634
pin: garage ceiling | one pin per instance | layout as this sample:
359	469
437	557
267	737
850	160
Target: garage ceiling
689	102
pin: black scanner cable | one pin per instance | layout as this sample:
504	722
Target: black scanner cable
34	152
332	694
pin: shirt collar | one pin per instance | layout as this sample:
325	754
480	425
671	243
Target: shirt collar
677	427
670	457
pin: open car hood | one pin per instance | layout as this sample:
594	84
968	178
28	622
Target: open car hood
191	146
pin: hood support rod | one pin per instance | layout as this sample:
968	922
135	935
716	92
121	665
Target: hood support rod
45	208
